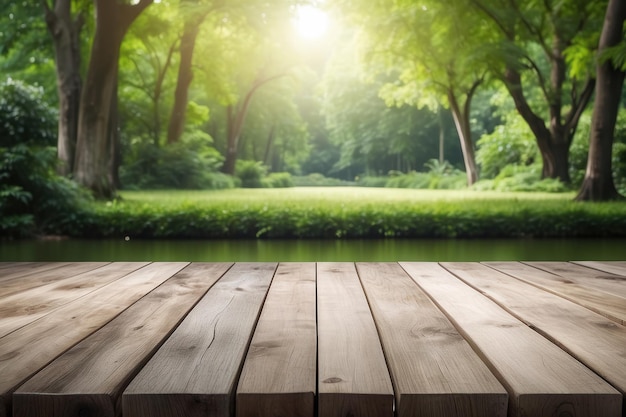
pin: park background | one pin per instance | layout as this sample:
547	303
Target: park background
459	119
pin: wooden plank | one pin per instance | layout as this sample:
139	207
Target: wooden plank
591	338
195	372
353	376
609	305
542	380
279	373
24	307
37	278
612	267
30	348
434	370
586	277
19	269
90	377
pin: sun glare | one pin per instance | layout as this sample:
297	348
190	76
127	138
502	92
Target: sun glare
311	22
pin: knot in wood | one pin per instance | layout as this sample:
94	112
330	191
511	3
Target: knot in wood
332	380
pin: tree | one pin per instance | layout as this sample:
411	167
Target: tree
535	38
194	14
375	138
65	29
146	69
598	183
97	131
427	48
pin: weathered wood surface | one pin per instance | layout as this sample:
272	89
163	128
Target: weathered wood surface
541	378
207	339
591	338
435	371
353	377
21	308
28	349
279	373
195	372
90	377
602	302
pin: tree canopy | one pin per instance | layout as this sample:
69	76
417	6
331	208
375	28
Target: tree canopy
150	91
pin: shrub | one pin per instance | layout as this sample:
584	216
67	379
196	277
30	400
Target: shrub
509	144
519	178
250	173
369	181
318	180
33	198
191	163
277	180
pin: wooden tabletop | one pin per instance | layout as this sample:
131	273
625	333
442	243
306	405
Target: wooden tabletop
313	339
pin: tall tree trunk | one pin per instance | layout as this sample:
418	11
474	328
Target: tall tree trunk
462	122
598	184
65	31
93	163
185	72
236	117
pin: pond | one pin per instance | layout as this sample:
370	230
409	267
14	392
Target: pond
360	250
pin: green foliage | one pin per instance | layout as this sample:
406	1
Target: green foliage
352	213
278	180
521	178
25	118
511	143
250	173
33	198
440	175
318	180
191	163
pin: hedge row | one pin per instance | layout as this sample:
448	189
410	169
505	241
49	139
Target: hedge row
431	220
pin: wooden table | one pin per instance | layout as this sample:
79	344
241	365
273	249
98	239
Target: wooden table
304	339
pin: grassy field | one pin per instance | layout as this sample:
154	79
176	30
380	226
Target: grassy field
346	212
308	196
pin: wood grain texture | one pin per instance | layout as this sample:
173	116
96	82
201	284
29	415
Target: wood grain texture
195	372
593	339
434	370
586	277
609	305
612	267
97	369
21	308
30	348
542	380
279	373
353	377
20	283
19	269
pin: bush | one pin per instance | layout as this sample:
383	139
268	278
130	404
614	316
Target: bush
509	144
278	180
318	180
191	163
518	178
250	173
33	198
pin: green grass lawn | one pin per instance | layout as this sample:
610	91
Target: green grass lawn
359	196
346	212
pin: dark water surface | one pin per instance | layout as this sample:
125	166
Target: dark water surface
315	250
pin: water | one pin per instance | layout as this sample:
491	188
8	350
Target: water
384	250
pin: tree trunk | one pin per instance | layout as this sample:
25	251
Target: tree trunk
65	32
598	184
462	123
236	116
94	155
235	119
185	76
